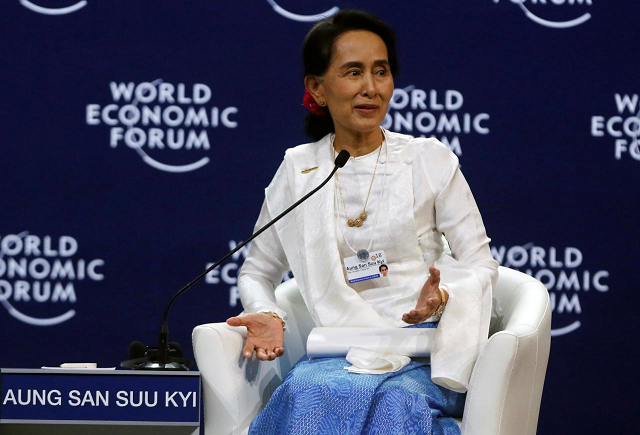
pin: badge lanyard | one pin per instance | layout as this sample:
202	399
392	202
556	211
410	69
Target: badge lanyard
363	254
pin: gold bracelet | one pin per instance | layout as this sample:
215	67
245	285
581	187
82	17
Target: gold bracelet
275	316
442	296
443	304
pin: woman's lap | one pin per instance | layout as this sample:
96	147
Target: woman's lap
320	397
412	404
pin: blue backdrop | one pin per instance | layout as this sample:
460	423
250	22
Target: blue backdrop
137	139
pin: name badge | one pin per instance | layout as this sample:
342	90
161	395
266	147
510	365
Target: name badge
374	267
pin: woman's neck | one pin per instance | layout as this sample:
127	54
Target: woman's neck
357	143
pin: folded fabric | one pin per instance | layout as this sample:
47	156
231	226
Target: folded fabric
371	362
335	342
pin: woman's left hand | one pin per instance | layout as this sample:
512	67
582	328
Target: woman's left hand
429	299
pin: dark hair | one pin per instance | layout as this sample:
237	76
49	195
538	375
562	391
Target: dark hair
383	265
317	52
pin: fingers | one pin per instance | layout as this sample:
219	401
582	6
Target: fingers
268	354
417	315
428	301
236	321
411	317
408	320
247	352
434	275
263	354
412	320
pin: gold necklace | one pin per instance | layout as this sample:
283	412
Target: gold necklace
363	216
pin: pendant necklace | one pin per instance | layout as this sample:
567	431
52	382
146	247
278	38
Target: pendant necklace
363	216
362	254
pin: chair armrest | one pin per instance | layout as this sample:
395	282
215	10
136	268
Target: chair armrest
235	389
508	377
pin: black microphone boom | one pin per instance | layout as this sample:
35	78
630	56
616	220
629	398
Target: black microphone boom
161	360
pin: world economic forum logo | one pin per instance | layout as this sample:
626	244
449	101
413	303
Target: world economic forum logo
303	17
38	275
571	285
62	10
227	273
533	9
159	120
624	127
434	113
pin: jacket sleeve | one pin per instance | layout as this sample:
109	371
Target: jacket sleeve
468	275
263	269
458	217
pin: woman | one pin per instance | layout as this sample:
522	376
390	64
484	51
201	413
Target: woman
391	202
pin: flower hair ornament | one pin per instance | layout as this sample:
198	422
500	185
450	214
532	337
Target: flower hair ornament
310	103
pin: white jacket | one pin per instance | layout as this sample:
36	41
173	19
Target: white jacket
305	242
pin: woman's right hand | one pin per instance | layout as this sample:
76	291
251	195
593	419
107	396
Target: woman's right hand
265	335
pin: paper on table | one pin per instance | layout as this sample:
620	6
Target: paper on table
77	368
371	362
82	365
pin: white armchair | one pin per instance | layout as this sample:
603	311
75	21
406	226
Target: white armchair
506	384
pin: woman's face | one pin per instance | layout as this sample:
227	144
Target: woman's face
358	84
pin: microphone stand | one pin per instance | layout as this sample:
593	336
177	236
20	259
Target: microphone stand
163	360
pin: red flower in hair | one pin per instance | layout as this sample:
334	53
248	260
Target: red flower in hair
310	103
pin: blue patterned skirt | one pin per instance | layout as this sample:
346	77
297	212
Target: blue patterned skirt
319	397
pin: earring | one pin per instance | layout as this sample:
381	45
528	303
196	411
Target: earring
321	103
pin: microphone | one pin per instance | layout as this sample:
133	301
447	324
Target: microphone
341	160
168	356
143	357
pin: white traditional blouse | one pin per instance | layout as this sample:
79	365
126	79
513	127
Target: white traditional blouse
418	194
